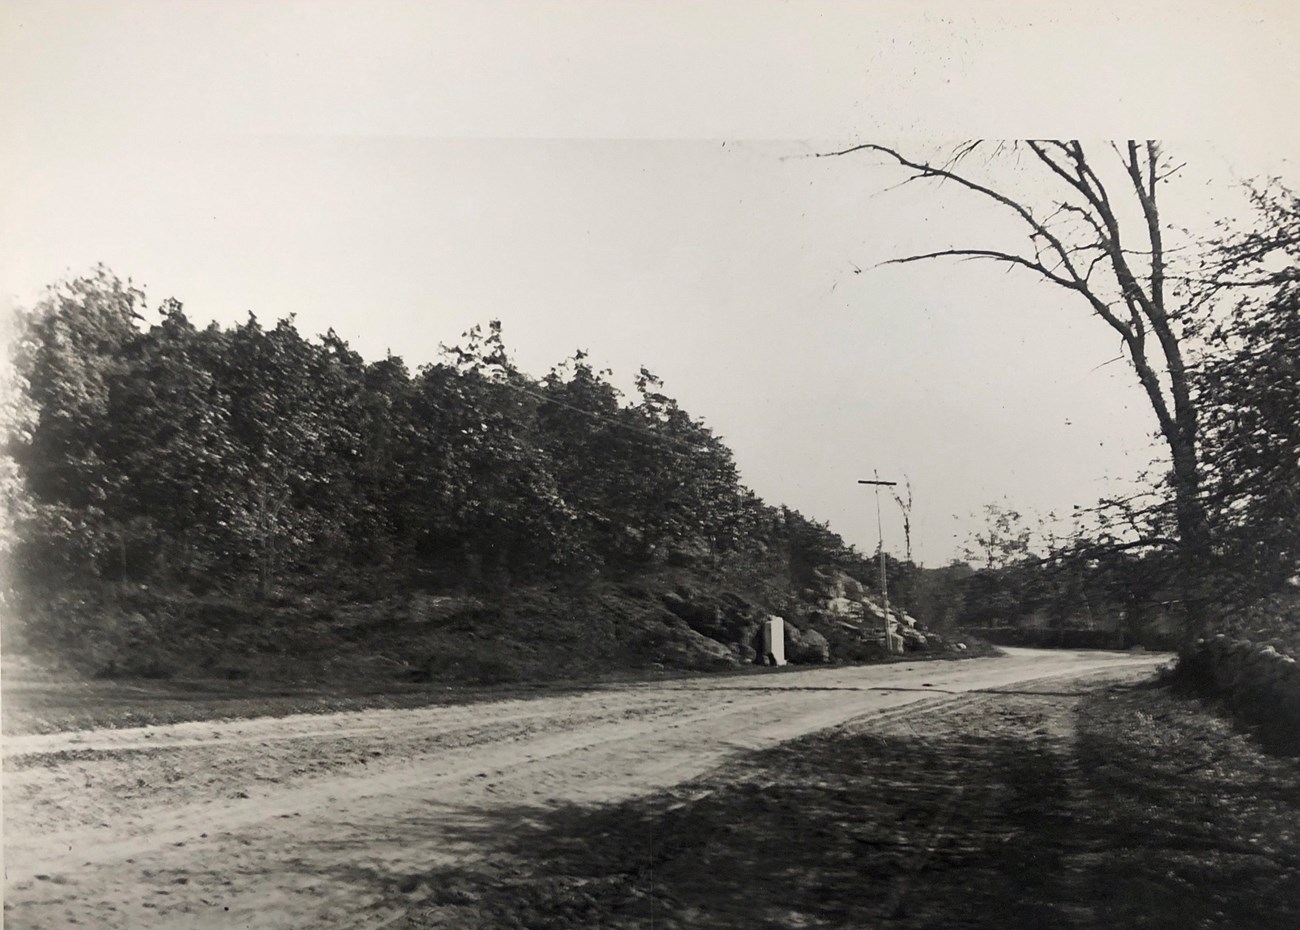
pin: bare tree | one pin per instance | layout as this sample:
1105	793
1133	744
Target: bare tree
1120	274
905	505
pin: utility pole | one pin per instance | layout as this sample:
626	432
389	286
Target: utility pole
880	552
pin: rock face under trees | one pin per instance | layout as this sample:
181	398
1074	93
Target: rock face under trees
832	619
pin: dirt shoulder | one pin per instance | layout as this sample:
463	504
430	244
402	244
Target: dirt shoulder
1089	803
37	701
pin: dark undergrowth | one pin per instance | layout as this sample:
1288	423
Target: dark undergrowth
1201	819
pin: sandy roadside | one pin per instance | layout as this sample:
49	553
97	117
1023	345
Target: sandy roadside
273	822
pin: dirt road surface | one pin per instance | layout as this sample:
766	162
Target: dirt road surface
287	822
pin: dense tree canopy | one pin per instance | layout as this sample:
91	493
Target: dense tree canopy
249	456
1248	381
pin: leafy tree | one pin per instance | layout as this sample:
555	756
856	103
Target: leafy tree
1003	541
640	477
937	594
257	458
1248	384
378	530
282	433
484	481
812	544
17	418
68	356
688	488
169	444
594	452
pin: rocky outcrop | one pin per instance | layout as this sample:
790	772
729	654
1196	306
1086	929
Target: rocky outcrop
671	643
725	618
849	617
833	619
1259	683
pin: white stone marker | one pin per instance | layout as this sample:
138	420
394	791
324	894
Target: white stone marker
774	641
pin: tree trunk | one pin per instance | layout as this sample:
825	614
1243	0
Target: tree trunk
1194	537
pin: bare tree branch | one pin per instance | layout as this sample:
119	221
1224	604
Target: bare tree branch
1075	282
992	254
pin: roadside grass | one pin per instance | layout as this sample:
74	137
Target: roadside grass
56	705
1123	807
42	703
137	655
1200	824
37	701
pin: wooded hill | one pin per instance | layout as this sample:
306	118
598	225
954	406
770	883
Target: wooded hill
247	501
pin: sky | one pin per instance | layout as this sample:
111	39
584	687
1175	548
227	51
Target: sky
637	180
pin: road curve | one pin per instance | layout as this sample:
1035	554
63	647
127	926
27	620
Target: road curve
285	822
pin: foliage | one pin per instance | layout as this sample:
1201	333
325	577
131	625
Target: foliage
1003	540
1248	379
1244	332
251	459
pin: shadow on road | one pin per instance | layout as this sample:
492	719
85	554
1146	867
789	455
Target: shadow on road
952	832
998	816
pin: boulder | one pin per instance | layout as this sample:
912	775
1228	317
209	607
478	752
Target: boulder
913	640
671	642
811	648
743	652
843	607
688	649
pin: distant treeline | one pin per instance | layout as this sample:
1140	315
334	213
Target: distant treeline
153	451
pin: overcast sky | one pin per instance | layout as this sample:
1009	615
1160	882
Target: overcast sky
635	179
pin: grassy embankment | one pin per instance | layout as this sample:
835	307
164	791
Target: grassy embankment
147	657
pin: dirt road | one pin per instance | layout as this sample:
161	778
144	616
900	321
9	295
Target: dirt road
307	821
